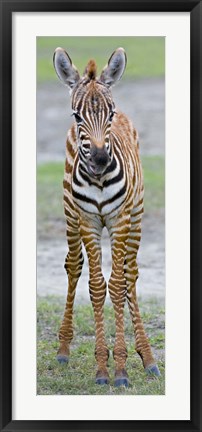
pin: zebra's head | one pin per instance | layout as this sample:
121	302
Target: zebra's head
93	106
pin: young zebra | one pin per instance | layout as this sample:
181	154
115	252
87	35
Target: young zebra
103	186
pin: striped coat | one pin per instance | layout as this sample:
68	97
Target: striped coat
103	186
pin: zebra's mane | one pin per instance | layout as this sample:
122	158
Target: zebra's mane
91	70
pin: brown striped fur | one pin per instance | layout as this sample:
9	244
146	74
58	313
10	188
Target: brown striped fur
85	222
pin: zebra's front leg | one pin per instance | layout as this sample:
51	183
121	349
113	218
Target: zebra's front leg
73	265
97	289
117	291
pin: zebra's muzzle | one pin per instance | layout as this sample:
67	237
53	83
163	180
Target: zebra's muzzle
98	161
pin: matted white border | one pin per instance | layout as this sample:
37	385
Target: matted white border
175	405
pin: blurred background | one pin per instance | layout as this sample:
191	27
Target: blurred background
141	95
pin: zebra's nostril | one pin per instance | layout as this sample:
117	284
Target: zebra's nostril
101	159
99	156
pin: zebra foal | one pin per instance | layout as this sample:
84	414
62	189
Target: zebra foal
103	186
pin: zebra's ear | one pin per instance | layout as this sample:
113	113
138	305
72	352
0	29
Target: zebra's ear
114	70
64	68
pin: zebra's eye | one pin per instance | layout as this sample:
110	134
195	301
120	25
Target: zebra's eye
111	115
77	118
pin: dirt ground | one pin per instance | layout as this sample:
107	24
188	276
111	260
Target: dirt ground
51	276
144	101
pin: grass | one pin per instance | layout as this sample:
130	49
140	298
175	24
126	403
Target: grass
49	190
77	378
146	55
154	182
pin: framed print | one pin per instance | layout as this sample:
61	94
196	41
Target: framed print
106	153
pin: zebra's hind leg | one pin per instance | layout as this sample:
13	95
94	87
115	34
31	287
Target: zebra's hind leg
143	347
73	265
91	236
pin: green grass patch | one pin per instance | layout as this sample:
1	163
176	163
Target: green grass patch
154	182
78	377
50	191
50	198
146	55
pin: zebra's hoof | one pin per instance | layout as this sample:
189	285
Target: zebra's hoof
102	381
153	370
102	377
121	378
62	358
118	382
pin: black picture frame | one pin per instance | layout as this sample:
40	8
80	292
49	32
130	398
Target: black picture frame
7	7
